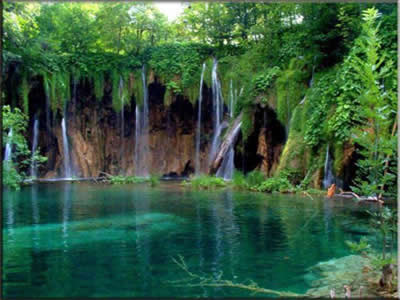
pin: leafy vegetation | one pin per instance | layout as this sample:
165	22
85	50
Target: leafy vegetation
327	70
120	179
206	182
15	169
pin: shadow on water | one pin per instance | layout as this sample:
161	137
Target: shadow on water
80	239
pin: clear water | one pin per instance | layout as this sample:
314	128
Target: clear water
92	240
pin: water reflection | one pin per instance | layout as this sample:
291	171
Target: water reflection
66	212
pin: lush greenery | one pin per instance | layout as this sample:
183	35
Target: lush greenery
327	70
15	170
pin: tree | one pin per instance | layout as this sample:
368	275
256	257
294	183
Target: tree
376	135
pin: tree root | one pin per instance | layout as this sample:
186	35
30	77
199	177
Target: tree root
196	280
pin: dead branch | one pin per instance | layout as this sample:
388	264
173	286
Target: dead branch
196	280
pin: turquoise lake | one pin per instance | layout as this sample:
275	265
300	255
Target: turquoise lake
94	240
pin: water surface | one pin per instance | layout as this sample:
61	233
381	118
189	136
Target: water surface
91	240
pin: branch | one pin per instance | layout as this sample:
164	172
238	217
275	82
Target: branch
202	281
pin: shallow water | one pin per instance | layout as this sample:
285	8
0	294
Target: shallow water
90	240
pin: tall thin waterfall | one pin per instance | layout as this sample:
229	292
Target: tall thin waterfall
217	109
310	84
121	97
198	131
329	178
67	161
142	131
34	147
227	166
7	152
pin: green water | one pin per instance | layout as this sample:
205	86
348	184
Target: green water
89	240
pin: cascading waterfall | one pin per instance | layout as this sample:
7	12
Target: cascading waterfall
121	97
217	110
198	131
329	178
142	131
7	152
227	166
34	147
310	84
67	161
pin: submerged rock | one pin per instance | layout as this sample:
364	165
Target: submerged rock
334	274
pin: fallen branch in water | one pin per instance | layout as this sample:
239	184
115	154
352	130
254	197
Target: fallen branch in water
195	280
307	194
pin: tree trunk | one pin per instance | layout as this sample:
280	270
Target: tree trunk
230	139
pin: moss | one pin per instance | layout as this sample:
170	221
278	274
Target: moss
98	85
338	157
290	91
120	90
137	85
247	123
24	92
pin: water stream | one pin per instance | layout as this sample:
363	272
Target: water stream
198	129
34	147
7	152
67	161
142	132
329	178
227	166
217	110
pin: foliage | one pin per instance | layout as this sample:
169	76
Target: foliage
290	89
378	107
11	177
14	171
120	179
239	180
207	182
384	221
275	184
255	178
98	84
359	247
154	180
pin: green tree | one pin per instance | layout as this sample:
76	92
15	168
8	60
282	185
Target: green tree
376	135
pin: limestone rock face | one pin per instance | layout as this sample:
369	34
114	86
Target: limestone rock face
98	143
269	151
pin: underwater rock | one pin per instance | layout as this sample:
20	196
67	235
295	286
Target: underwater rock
334	274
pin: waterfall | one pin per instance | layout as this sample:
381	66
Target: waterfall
142	131
217	110
227	166
48	120
329	178
67	163
198	131
121	97
34	147
7	153
310	84
232	100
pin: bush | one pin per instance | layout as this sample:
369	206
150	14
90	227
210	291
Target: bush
359	247
120	179
154	180
275	184
207	182
11	177
255	178
239	180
